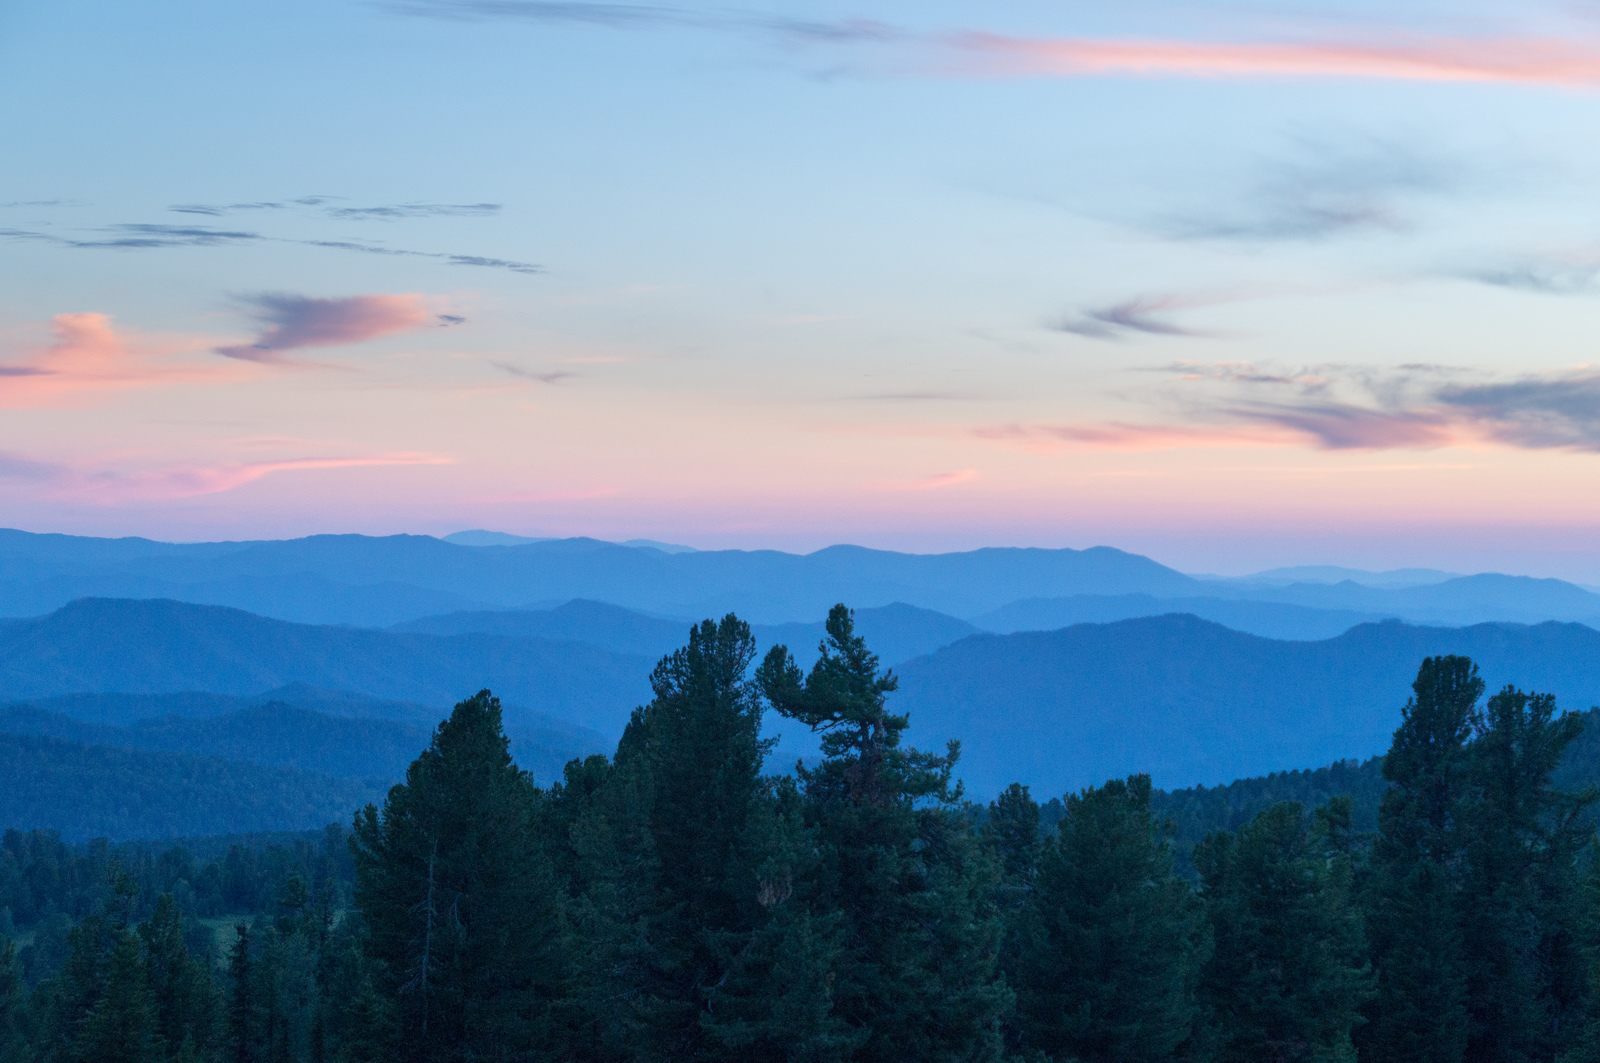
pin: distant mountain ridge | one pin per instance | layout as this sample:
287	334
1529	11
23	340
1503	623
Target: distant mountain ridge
385	581
1192	702
155	646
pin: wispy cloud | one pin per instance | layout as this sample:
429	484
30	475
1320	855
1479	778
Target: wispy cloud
1140	315
1379	54
326	205
548	377
930	483
88	355
1418	407
147	236
294	322
794	30
109	486
1322	189
1503	59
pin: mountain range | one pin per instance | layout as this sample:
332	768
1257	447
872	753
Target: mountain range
384	581
1187	700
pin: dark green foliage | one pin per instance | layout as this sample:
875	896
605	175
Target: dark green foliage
460	907
900	864
1199	810
1523	967
1413	903
1288	973
675	904
672	851
1110	942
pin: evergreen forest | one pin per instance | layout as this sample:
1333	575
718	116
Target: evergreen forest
678	902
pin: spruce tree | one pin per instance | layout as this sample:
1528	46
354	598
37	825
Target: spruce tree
1110	942
670	861
122	1026
12	1002
460	907
1412	901
1521	953
901	866
240	1045
1287	974
181	991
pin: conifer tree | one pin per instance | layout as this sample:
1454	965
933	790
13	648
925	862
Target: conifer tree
240	1045
181	991
122	1026
1111	941
12	1002
1418	1014
1287	975
901	865
460	908
1523	970
674	849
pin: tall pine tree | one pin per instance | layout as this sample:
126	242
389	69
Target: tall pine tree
1418	1014
674	849
461	910
901	865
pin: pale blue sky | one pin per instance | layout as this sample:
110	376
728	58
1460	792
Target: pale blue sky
923	276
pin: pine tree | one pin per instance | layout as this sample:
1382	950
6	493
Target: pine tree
1521	954
1111	941
1287	975
460	906
240	1043
12	1002
675	856
901	865
1584	1045
181	991
1418	1014
122	1026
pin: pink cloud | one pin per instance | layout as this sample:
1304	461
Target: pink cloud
109	487
1120	436
1526	60
297	321
88	355
929	483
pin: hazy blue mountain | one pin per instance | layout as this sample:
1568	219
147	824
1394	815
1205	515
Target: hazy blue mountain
278	734
275	734
381	581
481	537
600	624
1278	620
1464	600
1193	702
122	709
161	646
1391	578
896	632
87	791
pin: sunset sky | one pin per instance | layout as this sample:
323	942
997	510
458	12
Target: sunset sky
1234	285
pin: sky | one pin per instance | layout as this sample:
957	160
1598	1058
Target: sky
1234	285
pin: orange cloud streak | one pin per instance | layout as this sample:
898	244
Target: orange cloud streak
1527	60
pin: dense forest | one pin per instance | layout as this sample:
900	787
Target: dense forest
674	902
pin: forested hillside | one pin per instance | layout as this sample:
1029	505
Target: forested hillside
102	791
676	902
